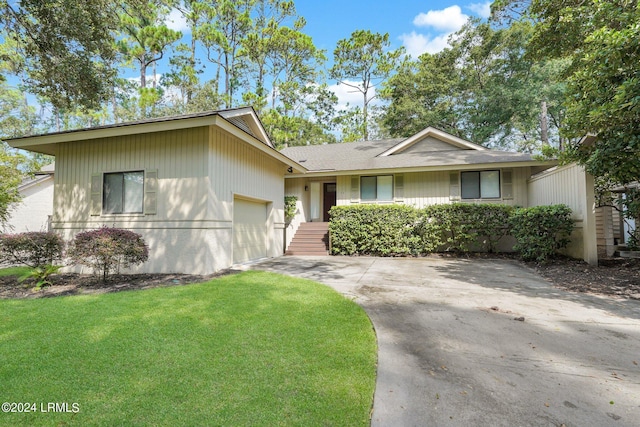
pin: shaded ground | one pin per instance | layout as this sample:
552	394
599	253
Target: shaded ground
76	284
613	277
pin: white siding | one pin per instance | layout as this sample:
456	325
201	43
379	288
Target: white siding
178	156
572	186
423	189
199	172
33	211
296	187
237	169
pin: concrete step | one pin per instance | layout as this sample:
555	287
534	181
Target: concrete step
311	239
306	253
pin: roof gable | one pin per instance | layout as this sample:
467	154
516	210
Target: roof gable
431	140
244	119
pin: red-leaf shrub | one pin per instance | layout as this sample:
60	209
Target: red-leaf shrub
34	249
106	249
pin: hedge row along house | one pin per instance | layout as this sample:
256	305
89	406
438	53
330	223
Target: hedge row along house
207	190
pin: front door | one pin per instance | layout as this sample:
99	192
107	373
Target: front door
329	198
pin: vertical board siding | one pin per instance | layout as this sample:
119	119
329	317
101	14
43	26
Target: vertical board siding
199	171
295	187
564	185
423	189
237	168
178	156
570	185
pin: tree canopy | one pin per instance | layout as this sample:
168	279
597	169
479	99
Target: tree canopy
600	41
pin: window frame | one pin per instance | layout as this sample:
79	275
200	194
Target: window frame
105	176
376	188
479	189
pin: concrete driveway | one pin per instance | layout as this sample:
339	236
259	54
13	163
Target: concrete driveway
451	351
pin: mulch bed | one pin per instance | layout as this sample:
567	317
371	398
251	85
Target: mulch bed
78	284
618	277
615	277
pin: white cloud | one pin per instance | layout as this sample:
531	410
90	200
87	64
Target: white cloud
349	95
450	19
483	10
175	21
417	44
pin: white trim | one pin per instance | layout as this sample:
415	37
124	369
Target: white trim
438	134
255	124
436	168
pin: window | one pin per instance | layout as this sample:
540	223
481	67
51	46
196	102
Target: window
376	188
123	192
480	185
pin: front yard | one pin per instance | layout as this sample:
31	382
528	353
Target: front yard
248	349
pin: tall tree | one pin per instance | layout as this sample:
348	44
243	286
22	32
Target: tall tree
482	88
146	37
601	39
67	47
227	24
361	62
259	44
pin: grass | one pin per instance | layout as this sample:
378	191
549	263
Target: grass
253	349
14	271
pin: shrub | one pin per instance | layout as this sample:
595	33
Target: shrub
41	275
454	224
429	233
106	250
541	230
491	223
34	249
290	208
373	230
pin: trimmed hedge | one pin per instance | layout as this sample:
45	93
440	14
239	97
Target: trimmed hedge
464	227
391	230
380	230
541	230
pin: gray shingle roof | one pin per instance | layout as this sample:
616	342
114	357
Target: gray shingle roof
365	156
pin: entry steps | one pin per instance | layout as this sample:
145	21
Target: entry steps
312	238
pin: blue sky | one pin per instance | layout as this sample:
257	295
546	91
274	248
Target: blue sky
419	26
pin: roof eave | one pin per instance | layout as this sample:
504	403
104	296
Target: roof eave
46	143
437	168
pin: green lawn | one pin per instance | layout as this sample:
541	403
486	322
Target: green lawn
14	271
249	349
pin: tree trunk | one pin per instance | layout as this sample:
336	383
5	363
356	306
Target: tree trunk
143	74
544	124
364	117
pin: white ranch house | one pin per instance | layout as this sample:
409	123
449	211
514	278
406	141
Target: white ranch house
207	190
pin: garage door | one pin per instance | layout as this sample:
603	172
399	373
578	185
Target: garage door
249	230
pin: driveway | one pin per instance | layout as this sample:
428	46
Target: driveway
452	353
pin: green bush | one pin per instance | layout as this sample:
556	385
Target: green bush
455	225
106	249
387	230
379	230
290	208
34	249
491	223
429	232
541	230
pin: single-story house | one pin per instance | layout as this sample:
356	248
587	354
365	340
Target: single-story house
430	167
205	190
33	212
